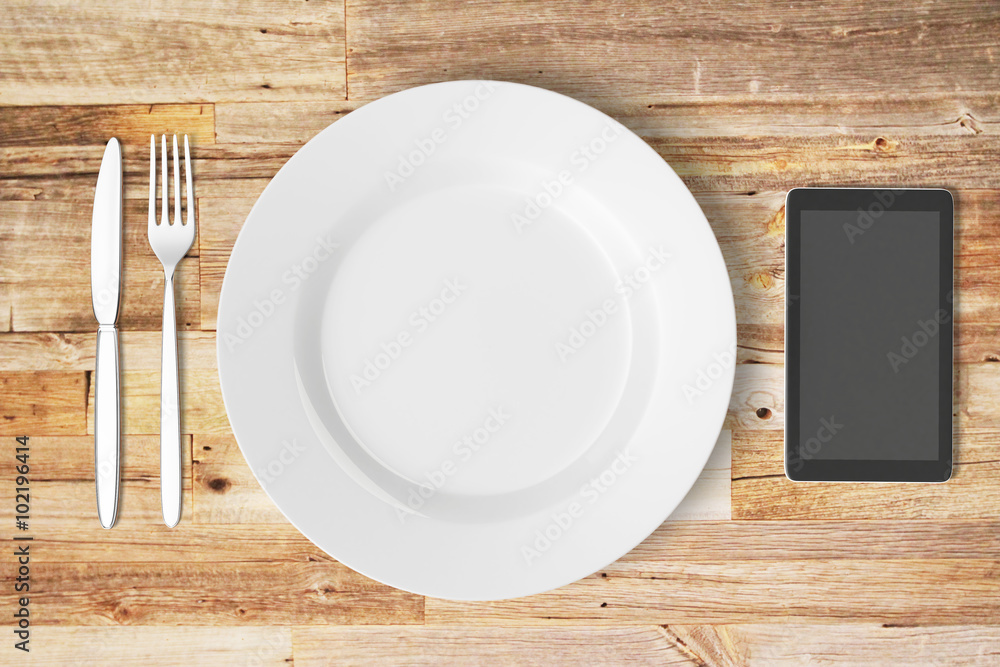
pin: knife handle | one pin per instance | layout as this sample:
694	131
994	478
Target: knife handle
107	425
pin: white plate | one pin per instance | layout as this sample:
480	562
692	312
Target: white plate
476	340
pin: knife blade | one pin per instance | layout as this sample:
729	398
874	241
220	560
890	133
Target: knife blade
105	285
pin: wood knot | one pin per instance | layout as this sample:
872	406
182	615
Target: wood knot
761	280
120	612
219	484
763	413
968	122
776	225
883	145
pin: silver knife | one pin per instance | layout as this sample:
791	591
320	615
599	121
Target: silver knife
105	285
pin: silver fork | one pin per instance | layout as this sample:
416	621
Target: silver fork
170	241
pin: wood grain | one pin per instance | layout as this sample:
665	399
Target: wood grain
223	219
263	645
847	643
228	493
42	402
926	591
729	645
185	52
277	122
92	125
219	594
133	541
476	645
800	540
788	116
628	49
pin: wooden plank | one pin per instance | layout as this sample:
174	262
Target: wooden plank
80	187
138	350
793	116
477	645
202	409
94	125
977	386
710	497
673	48
135	542
750	230
62	486
675	541
789	644
181	646
797	540
49	295
225	488
42	403
707	164
223	219
217	594
186	52
70	172
277	122
789	116
761	490
777	164
751	644
900	592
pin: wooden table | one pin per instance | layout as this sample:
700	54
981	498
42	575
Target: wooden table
744	101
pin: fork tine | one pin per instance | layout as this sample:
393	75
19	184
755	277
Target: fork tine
165	218
152	180
177	185
187	175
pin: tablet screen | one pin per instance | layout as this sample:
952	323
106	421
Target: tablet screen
869	317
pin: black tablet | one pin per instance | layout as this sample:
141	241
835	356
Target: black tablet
868	335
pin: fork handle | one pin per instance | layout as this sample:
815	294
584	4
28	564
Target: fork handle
170	423
107	424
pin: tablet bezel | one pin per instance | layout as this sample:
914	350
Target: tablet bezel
803	468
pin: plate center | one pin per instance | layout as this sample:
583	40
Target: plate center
469	351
